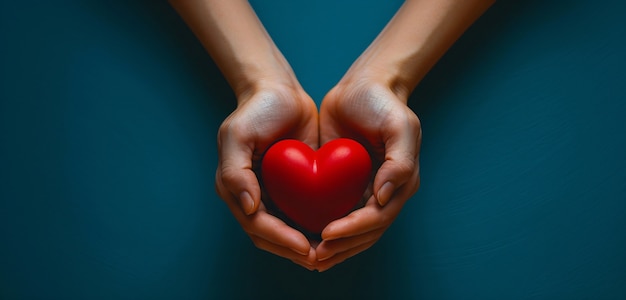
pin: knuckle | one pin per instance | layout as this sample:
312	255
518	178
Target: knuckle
235	126
405	166
414	122
229	175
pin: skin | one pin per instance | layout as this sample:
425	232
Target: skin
376	88
271	105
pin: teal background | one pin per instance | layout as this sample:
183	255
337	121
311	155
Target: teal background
108	117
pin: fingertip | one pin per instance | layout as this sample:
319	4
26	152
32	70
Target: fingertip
248	204
392	175
321	270
308	267
299	244
333	231
327	234
384	193
340	228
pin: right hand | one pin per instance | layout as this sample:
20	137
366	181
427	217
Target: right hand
262	117
369	111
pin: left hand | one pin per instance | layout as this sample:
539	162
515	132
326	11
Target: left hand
374	115
270	112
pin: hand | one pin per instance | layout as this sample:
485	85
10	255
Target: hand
374	115
370	110
262	117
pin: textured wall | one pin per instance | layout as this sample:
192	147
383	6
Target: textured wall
108	116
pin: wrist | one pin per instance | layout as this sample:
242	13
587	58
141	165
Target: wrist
264	75
412	42
371	76
238	43
260	87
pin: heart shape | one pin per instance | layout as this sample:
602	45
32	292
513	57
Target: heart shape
314	188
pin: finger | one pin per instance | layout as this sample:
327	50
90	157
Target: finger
270	228
306	266
341	257
235	172
328	249
401	162
310	262
303	260
267	226
369	218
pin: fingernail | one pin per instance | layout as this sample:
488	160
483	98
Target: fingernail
246	202
384	193
324	256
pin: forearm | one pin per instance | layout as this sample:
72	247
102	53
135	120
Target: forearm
415	38
237	41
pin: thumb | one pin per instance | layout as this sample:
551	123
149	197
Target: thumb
400	167
236	176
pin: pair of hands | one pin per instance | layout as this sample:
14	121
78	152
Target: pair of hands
368	105
365	110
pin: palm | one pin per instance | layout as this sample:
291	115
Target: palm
267	117
366	114
258	122
378	119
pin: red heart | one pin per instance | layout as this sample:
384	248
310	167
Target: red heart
314	188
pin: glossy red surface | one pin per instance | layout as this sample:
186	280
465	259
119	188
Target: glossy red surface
313	188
